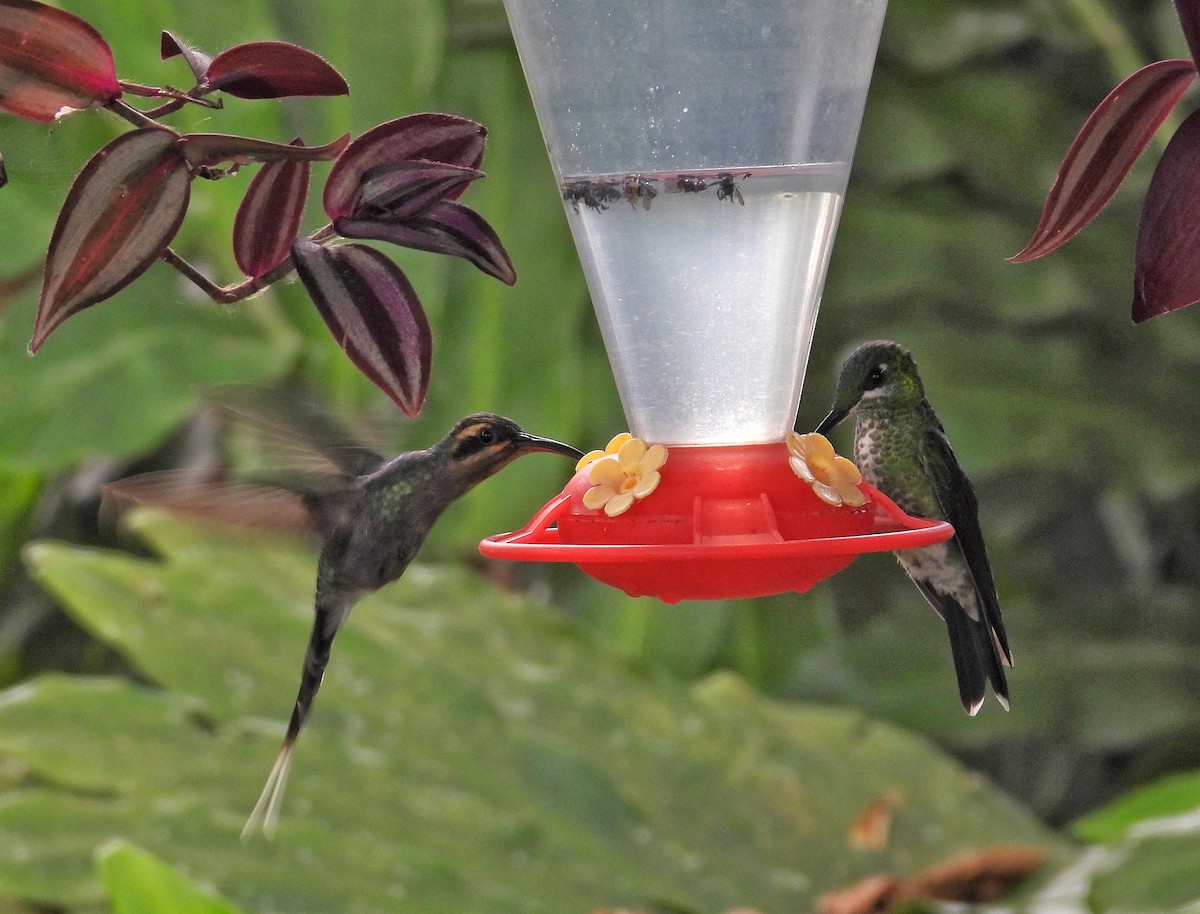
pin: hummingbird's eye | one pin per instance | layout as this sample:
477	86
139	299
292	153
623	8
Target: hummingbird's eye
876	377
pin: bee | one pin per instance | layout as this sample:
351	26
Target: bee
637	188
690	184
592	194
727	188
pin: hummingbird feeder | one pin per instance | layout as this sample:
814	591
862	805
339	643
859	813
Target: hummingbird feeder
702	148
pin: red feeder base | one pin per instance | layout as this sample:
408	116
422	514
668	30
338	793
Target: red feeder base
724	522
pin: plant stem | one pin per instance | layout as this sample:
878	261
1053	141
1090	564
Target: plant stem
178	99
239	291
228	295
131	114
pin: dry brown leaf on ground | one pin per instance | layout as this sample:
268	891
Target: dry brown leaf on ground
976	876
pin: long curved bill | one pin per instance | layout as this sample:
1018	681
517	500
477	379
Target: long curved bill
532	443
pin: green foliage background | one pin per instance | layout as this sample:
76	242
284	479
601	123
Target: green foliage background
1074	424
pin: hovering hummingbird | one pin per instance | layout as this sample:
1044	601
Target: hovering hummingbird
371	516
902	450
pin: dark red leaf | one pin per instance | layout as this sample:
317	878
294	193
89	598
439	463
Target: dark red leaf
1166	271
51	63
272	69
373	313
119	216
268	220
405	189
1105	149
432	137
215	148
197	61
1189	19
444	228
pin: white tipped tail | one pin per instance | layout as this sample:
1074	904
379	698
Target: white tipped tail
266	811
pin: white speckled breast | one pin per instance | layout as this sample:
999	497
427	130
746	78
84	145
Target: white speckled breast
866	451
941	566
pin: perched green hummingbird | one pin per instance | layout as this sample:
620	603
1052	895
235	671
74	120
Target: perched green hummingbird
371	516
902	450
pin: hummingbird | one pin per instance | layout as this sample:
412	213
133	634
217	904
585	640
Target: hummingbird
371	516
902	450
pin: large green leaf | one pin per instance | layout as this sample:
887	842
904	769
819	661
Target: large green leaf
121	377
1158	873
1147	858
137	882
470	751
1175	796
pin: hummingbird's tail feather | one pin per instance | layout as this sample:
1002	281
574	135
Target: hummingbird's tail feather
1001	648
325	627
266	810
265	814
975	648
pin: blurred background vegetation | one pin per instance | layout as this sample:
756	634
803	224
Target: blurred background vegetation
1076	426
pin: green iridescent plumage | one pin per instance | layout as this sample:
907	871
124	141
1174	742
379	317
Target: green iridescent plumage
902	450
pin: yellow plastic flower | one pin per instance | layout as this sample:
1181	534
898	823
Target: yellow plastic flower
624	472
613	447
833	478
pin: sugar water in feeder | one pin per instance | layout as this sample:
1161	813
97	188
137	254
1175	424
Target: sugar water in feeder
707	293
702	150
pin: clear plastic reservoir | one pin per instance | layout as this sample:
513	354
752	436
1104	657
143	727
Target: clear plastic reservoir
702	148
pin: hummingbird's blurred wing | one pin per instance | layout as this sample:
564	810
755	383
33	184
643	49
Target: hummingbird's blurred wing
288	439
954	493
227	503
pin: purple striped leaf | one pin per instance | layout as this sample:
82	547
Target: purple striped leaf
405	189
215	148
1166	272
268	219
444	228
431	137
170	46
1104	151
374	314
51	63
272	69
119	216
